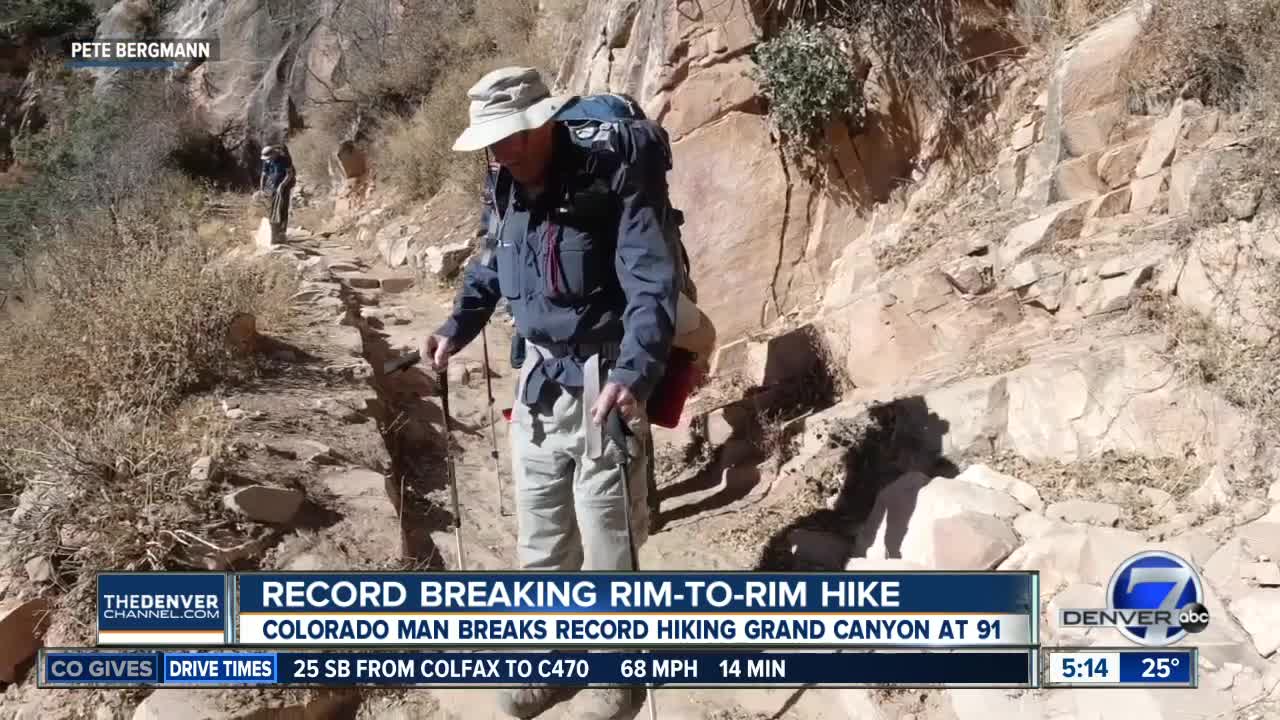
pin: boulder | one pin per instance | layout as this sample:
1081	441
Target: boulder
974	411
265	504
1161	145
1263	535
442	262
1150	194
22	625
904	519
39	570
1032	270
970	541
1089	132
1058	223
1091	74
1031	525
1074	554
1214	493
360	281
1116	166
1022	491
1077	179
1112	204
970	275
1258	612
1025	135
397	284
1122	395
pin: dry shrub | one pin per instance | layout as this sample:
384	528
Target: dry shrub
136	318
414	152
1223	53
1246	373
1050	22
313	155
106	492
393	52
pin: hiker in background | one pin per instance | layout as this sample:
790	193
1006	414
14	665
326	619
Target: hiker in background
582	257
277	179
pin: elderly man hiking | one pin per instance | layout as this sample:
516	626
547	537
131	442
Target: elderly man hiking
277	178
584	256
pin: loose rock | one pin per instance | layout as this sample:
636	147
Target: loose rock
22	625
1259	614
202	470
265	504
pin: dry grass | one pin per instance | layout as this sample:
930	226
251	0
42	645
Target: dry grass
313	156
1111	477
1225	54
414	151
986	365
1246	373
128	319
1051	22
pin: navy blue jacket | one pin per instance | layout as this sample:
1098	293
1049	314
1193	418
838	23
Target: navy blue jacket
276	170
586	262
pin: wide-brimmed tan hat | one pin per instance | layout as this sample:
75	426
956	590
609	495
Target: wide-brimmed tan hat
507	101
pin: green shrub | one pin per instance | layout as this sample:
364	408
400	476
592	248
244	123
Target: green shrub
809	79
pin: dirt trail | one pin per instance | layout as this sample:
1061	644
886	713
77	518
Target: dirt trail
361	504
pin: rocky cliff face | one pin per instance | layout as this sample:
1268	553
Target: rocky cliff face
756	229
274	58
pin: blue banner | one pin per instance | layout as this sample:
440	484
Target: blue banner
1008	668
590	592
164	608
1158	668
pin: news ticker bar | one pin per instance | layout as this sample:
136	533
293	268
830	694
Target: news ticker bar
87	668
570	610
1002	668
1121	667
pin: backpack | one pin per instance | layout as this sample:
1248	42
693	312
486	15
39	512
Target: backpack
587	113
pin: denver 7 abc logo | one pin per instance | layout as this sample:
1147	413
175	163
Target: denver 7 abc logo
1155	598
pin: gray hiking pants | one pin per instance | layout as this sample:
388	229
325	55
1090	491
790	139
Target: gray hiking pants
569	506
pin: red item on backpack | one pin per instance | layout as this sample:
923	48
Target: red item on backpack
666	404
506	414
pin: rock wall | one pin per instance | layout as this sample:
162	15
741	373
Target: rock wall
763	238
755	230
274	59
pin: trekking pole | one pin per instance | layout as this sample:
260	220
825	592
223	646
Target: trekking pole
493	431
442	377
617	430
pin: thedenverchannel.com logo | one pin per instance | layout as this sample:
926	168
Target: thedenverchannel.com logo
1155	599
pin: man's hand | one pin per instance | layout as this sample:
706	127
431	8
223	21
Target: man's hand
438	348
617	395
